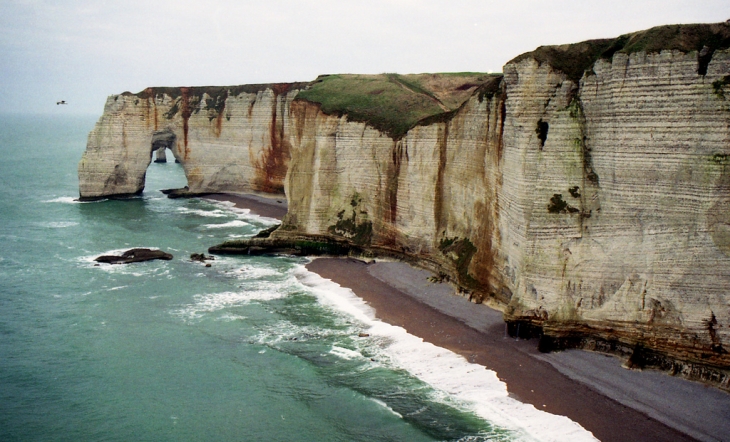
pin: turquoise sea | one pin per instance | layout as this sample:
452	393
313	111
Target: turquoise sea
250	349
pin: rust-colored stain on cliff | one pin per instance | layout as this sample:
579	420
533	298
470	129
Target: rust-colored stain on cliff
219	122
186	112
438	197
393	178
271	168
154	105
486	236
150	108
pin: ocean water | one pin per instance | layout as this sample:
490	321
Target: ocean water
252	348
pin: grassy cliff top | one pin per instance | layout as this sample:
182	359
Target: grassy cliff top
575	59
394	103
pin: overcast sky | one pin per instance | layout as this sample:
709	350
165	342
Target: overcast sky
82	51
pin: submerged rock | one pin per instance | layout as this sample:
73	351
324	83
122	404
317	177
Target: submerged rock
134	255
201	257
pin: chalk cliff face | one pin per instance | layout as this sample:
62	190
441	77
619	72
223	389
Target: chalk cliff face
227	139
616	224
586	192
431	194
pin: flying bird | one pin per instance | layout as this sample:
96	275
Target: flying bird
61	102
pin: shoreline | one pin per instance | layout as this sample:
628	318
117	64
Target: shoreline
591	389
529	375
267	206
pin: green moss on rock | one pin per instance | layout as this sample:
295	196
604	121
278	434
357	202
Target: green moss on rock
460	252
718	86
359	231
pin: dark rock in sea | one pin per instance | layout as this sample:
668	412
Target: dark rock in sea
363	335
201	257
134	255
181	193
267	232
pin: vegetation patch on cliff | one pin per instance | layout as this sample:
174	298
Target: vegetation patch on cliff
558	205
575	59
460	251
394	103
359	231
718	86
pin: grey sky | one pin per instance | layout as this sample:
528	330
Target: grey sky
84	50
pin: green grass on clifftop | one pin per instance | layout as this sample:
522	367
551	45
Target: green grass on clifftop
575	59
393	103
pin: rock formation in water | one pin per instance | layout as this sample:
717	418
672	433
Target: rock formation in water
134	255
161	155
586	191
227	139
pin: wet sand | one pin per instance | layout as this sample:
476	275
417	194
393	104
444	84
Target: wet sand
613	403
270	207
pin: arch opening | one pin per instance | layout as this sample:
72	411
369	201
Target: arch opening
161	174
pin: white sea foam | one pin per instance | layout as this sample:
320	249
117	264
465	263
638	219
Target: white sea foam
249	271
111	289
69	200
477	388
345	353
59	224
213	302
231	317
218	213
229	224
283	331
244	213
384	405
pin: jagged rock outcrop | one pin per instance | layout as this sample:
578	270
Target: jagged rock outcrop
586	192
228	139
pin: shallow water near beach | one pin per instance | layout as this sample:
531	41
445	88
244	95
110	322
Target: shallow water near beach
251	348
